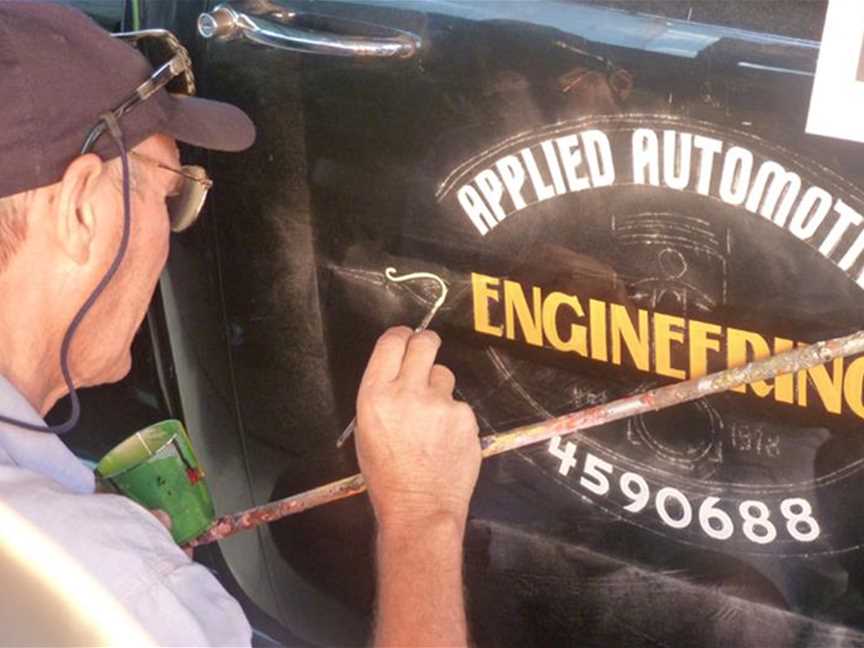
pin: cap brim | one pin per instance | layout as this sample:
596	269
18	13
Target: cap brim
209	124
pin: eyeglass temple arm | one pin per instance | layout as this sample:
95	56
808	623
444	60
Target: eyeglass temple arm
172	42
140	34
180	63
158	80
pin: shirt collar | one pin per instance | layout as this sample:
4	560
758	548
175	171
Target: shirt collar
41	452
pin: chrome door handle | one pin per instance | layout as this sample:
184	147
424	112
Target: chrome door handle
280	28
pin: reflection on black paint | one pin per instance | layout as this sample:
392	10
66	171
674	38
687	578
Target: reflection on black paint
584	597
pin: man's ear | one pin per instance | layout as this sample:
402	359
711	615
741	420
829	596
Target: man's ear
76	220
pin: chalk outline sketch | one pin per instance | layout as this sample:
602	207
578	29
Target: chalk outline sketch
674	232
711	449
617	126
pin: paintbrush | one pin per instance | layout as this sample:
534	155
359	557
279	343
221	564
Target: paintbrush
656	399
390	273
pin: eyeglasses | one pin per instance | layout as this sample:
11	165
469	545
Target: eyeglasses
186	202
185	206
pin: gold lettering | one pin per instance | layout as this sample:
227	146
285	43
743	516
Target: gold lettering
484	289
664	336
621	328
828	388
599	342
578	341
700	344
516	307
852	386
641	333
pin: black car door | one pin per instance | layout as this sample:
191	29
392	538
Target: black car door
618	196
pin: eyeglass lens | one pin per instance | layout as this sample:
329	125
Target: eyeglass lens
184	208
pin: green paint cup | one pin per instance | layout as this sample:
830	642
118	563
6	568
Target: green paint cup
157	468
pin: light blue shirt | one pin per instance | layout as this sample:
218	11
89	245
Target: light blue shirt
177	601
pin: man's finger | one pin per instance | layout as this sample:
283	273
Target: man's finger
166	521
441	379
387	356
419	358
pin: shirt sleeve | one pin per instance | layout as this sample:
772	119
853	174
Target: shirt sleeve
177	601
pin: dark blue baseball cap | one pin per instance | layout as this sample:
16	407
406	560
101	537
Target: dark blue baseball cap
59	71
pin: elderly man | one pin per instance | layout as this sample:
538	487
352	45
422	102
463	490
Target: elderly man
90	185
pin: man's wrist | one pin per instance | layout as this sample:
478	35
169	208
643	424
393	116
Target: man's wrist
420	598
407	528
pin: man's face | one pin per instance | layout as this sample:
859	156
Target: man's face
101	351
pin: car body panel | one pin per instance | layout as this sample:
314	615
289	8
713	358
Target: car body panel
273	302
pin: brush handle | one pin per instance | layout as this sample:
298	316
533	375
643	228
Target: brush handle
656	399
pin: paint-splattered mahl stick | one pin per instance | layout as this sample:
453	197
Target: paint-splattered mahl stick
493	444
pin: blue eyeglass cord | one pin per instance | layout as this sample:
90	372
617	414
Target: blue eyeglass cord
75	414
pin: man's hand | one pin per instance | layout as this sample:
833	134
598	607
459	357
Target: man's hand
420	454
417	447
